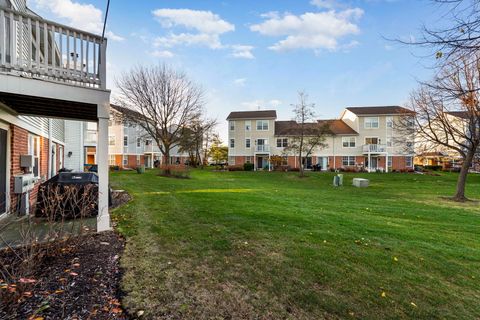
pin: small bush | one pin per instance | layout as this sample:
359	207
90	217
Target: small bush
235	168
294	169
433	168
248	167
114	168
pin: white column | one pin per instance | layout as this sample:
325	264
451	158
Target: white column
369	163
103	219
386	162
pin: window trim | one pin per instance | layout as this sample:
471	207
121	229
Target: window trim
231	143
249	123
262	125
139	142
349	142
125	141
112	138
125	160
410	160
248	143
231	125
371	127
349	158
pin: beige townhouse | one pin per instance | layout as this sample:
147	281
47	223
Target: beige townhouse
363	137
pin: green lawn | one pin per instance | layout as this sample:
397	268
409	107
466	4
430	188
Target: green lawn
263	245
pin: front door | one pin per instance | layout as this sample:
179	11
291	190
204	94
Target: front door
260	163
374	161
3	171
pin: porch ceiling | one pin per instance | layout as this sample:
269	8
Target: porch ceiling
48	107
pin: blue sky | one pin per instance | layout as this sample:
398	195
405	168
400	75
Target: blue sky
249	54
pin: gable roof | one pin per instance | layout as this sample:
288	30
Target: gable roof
379	110
459	114
260	114
290	128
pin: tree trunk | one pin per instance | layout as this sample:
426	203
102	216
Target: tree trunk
166	169
462	177
300	154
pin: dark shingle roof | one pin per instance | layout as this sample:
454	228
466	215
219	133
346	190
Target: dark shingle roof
260	114
459	114
291	128
385	110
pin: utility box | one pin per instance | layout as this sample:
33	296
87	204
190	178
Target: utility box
27	161
23	183
360	182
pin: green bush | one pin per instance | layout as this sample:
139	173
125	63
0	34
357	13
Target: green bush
433	168
248	166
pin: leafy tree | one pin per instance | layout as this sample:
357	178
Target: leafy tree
218	152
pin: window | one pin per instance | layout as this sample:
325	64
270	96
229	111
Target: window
138	160
125	160
248	125
389	142
348	161
139	142
34	150
371	123
111	140
125	141
262	125
408	161
282	143
372	140
111	159
232	143
389	122
409	144
389	161
231	161
248	159
247	143
349	142
232	125
148	142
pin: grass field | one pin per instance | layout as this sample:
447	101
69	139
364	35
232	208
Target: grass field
263	245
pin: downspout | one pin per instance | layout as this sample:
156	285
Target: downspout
50	144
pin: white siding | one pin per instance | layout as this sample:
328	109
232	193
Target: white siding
74	144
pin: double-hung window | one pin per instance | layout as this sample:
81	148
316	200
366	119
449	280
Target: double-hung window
111	140
262	125
247	143
125	141
139	142
232	143
349	142
408	161
371	123
389	161
389	122
125	160
248	125
348	161
282	143
231	125
34	150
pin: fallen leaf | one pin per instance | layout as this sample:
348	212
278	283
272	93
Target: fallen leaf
384	295
73	274
413	304
395	258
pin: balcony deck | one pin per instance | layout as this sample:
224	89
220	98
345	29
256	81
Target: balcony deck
37	48
374	148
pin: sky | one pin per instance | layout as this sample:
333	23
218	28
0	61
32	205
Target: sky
249	55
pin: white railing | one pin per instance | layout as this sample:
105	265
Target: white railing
39	48
262	148
374	148
90	137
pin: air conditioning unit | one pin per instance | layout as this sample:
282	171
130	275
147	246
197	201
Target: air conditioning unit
27	161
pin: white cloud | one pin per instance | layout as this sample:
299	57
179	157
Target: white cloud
114	37
162	54
202	21
242	52
78	15
240	82
275	103
325	4
320	30
206	25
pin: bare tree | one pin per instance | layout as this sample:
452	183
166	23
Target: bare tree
447	113
459	36
193	137
162	101
306	133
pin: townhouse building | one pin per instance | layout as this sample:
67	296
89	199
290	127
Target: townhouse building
49	73
362	137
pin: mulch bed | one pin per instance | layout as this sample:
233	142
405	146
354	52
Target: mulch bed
80	281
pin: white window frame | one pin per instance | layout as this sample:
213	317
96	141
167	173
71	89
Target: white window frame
350	160
232	143
389	122
248	143
378	140
231	160
389	141
369	121
35	152
138	160
248	125
231	125
111	159
125	160
248	159
139	142
261	124
408	159
348	141
389	161
125	141
112	140
282	142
